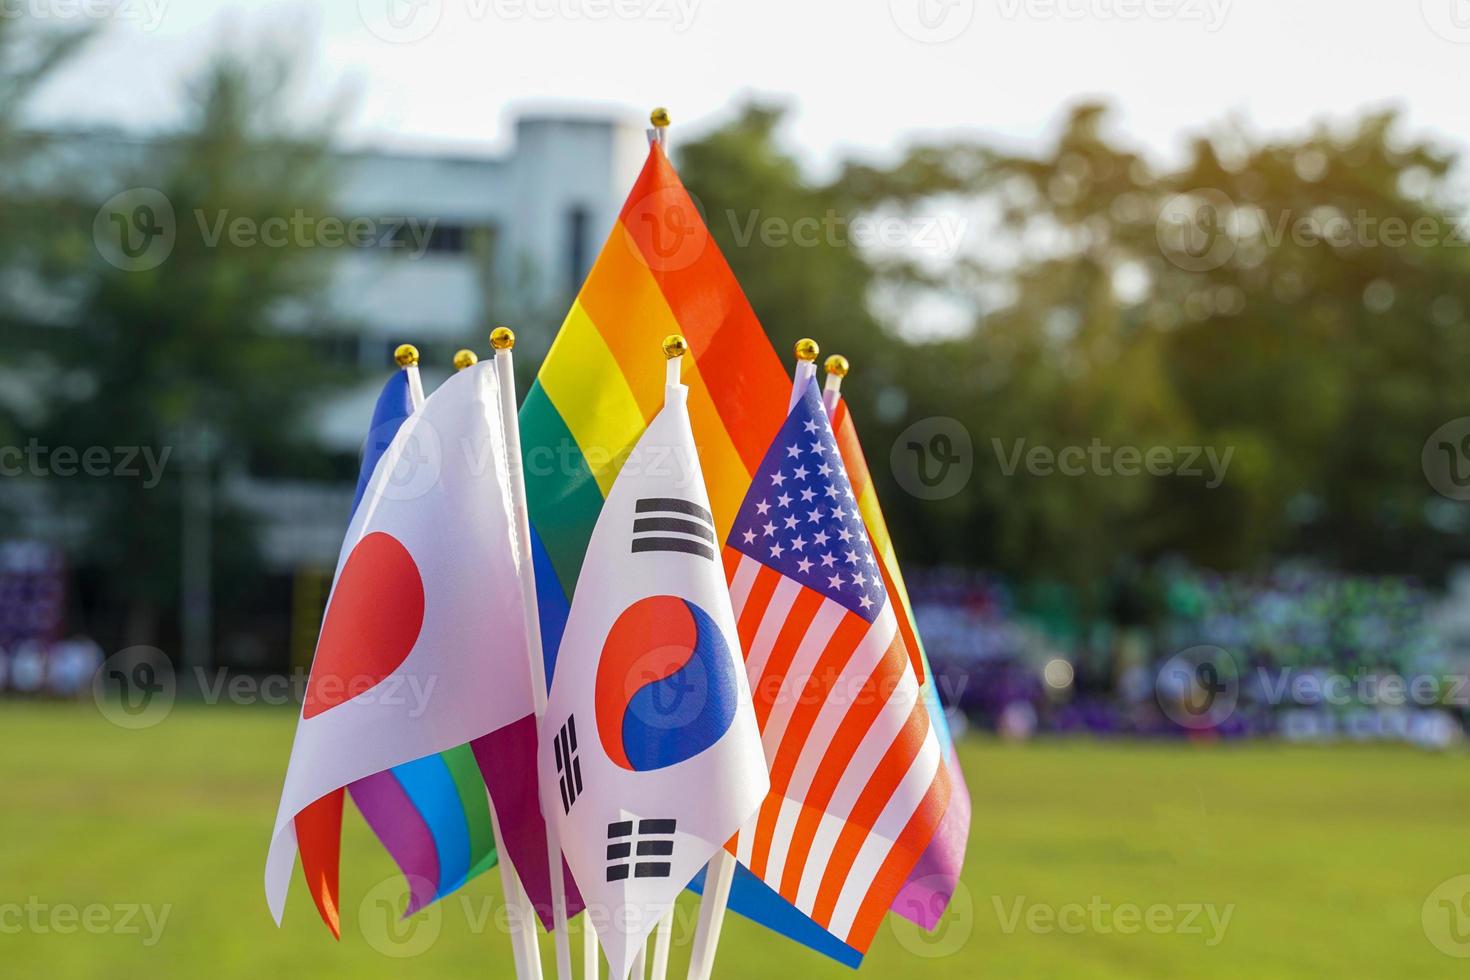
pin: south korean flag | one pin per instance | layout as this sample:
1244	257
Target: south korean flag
650	756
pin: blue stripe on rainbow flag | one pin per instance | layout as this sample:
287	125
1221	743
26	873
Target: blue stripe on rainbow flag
432	790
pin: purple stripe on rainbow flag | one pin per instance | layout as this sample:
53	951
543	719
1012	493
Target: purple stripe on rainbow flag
386	806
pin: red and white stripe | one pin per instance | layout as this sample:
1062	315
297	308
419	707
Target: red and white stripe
857	784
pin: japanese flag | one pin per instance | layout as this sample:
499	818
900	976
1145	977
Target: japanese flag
423	647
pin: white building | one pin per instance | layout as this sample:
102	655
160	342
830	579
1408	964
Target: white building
510	239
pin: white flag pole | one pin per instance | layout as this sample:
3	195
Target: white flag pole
524	944
589	949
407	356
717	878
503	340
661	946
836	366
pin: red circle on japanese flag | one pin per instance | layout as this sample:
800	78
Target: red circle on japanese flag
373	622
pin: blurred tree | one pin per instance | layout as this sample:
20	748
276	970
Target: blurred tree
1297	304
206	356
29	55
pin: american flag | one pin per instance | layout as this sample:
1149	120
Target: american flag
857	785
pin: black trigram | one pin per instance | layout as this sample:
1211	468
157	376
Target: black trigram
568	766
625	849
671	524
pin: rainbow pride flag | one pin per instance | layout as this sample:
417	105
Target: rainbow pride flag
659	273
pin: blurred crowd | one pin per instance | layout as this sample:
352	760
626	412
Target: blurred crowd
35	659
1300	652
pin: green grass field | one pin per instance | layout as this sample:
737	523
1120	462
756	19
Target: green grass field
1086	860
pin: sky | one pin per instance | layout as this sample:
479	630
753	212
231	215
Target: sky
862	78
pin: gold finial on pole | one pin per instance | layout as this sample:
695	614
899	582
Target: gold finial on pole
659	117
407	355
675	347
836	364
807	349
465	358
502	338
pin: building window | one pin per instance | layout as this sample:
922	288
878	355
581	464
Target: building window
577	221
446	238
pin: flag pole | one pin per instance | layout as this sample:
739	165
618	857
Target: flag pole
806	368
589	949
407	357
503	341
661	946
524	944
836	366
